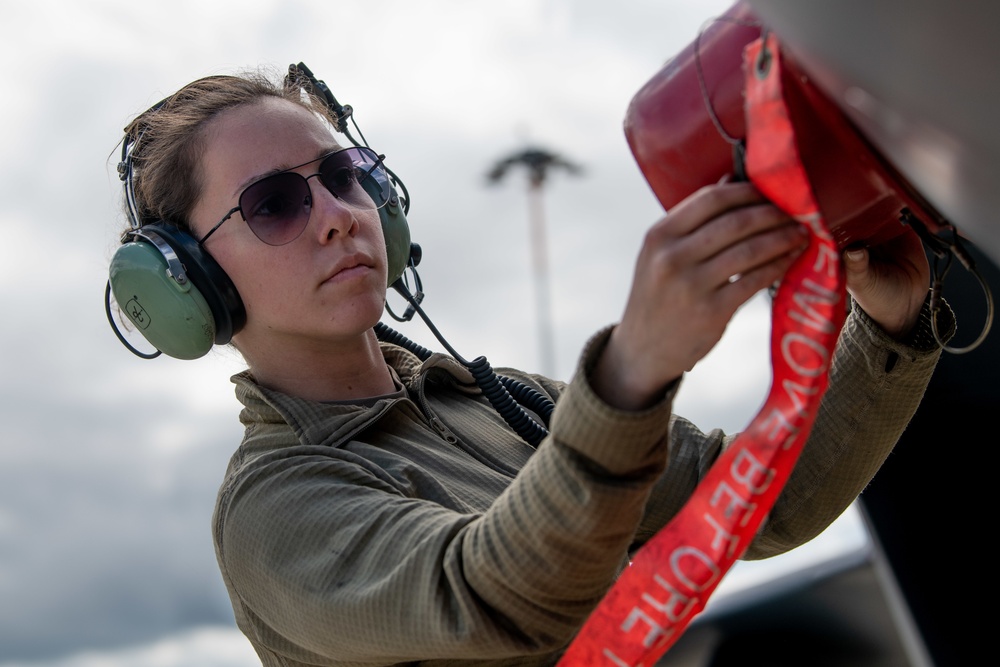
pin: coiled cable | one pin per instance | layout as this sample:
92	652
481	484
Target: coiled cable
508	396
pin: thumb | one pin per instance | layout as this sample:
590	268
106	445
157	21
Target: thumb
855	260
856	270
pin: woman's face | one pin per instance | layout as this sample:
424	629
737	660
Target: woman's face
326	285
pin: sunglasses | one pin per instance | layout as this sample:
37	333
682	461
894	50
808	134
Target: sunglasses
277	207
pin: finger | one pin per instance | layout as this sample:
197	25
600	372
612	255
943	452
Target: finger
855	261
706	204
741	287
739	226
716	238
755	250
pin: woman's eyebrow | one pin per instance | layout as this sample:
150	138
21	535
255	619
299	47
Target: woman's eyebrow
278	170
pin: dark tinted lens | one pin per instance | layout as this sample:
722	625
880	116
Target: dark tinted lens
337	174
356	175
277	208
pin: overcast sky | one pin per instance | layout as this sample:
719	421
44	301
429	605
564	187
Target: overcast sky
109	464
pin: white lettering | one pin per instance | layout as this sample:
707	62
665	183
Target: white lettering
827	259
811	317
807	343
614	658
735	500
797	392
722	535
676	606
745	468
636	615
711	569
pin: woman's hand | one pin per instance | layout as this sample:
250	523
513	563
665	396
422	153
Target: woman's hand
698	264
890	281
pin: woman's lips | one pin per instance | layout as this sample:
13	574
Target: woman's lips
355	268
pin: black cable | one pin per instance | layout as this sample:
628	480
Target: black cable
114	327
530	430
525	395
387	334
534	400
499	391
706	98
944	251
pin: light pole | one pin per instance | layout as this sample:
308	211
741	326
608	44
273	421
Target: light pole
538	162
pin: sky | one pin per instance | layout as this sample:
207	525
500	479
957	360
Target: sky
109	463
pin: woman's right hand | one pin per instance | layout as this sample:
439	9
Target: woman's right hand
697	265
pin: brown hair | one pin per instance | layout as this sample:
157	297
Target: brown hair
166	142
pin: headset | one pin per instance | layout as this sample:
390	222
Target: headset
179	298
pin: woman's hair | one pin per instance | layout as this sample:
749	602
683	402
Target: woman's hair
167	141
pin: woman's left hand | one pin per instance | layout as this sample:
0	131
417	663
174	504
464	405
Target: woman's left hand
890	281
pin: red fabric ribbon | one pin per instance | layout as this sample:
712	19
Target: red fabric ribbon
674	574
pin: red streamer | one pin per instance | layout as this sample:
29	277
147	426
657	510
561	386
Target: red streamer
674	574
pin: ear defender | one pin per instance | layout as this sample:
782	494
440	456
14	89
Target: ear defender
394	226
173	292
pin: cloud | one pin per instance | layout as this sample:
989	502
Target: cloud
203	646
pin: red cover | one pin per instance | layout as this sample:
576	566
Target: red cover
671	133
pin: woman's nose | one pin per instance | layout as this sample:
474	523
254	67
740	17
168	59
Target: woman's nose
331	215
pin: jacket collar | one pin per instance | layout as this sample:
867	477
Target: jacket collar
329	424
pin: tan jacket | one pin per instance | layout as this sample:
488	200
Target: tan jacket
422	529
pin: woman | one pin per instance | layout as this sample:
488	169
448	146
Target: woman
378	510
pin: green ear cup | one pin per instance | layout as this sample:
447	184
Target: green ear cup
394	228
172	315
397	238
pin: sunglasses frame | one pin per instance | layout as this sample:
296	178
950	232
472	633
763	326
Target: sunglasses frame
374	159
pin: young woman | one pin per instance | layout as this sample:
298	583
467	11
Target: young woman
379	510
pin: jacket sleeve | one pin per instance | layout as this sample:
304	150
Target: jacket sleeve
876	384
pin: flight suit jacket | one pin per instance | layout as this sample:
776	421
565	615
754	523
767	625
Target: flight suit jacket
421	528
